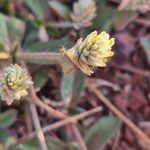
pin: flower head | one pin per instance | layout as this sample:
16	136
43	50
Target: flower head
14	82
83	13
94	51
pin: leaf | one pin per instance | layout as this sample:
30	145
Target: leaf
78	84
40	79
31	144
61	9
38	7
3	3
52	144
50	46
4	135
4	47
66	88
7	118
145	42
31	38
11	31
105	20
101	132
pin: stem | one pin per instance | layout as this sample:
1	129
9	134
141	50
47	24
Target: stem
64	122
119	114
50	110
61	24
38	102
37	126
79	137
36	55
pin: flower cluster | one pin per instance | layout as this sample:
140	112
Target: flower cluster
14	82
139	5
93	51
83	13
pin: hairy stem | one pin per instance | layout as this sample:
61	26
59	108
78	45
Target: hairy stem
36	55
61	24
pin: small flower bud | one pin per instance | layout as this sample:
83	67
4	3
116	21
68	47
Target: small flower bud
94	51
14	82
83	13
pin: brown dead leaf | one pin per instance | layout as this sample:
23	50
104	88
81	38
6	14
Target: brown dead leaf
121	102
129	136
137	99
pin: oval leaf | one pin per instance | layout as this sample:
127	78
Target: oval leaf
61	9
7	118
101	132
146	44
67	86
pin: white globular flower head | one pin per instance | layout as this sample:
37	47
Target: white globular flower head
14	82
84	11
87	54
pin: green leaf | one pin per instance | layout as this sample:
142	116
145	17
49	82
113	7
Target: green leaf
11	31
101	132
40	79
104	20
66	88
146	44
38	7
78	84
30	39
7	118
31	144
61	9
50	46
3	3
4	135
52	144
3	47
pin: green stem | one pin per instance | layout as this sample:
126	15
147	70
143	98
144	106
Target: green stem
62	24
38	55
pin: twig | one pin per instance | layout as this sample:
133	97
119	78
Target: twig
102	82
144	124
64	122
132	69
38	102
142	21
118	113
50	110
37	126
116	141
53	103
27	116
78	137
